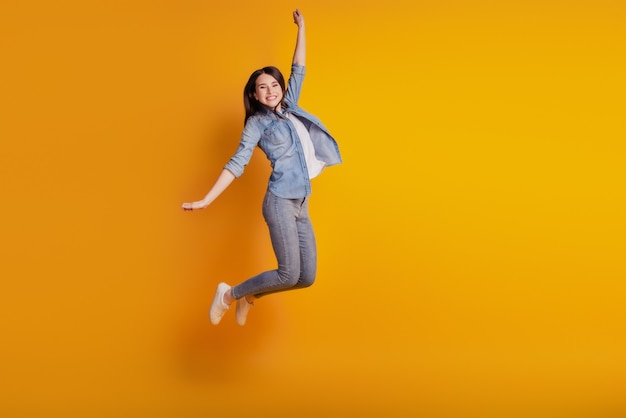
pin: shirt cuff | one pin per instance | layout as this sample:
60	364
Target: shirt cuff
298	69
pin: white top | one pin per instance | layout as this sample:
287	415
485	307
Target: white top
314	165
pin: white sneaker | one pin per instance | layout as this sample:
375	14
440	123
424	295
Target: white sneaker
243	306
219	307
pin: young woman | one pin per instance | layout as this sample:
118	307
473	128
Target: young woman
298	147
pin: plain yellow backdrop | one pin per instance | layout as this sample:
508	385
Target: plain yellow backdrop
471	246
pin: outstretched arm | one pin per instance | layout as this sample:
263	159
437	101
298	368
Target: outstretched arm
299	56
222	182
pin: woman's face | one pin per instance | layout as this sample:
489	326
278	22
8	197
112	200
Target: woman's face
268	91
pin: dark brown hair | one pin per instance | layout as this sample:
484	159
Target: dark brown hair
251	104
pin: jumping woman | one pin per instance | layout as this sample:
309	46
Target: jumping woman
298	147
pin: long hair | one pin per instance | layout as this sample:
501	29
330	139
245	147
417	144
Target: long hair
251	104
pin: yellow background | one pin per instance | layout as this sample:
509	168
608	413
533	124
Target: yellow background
471	246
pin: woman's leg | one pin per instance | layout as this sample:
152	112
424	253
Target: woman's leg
292	237
307	250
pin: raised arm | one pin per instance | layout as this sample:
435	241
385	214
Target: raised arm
299	56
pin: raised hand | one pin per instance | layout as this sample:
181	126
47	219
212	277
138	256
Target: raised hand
298	19
299	55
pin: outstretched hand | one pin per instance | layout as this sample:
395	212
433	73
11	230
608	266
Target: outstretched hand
298	19
194	205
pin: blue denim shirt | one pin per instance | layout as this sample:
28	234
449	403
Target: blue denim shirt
277	137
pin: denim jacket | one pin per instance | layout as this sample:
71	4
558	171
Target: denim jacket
277	138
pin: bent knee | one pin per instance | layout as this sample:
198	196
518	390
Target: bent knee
306	281
296	280
288	279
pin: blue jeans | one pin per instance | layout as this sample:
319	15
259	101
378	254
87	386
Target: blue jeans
293	241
